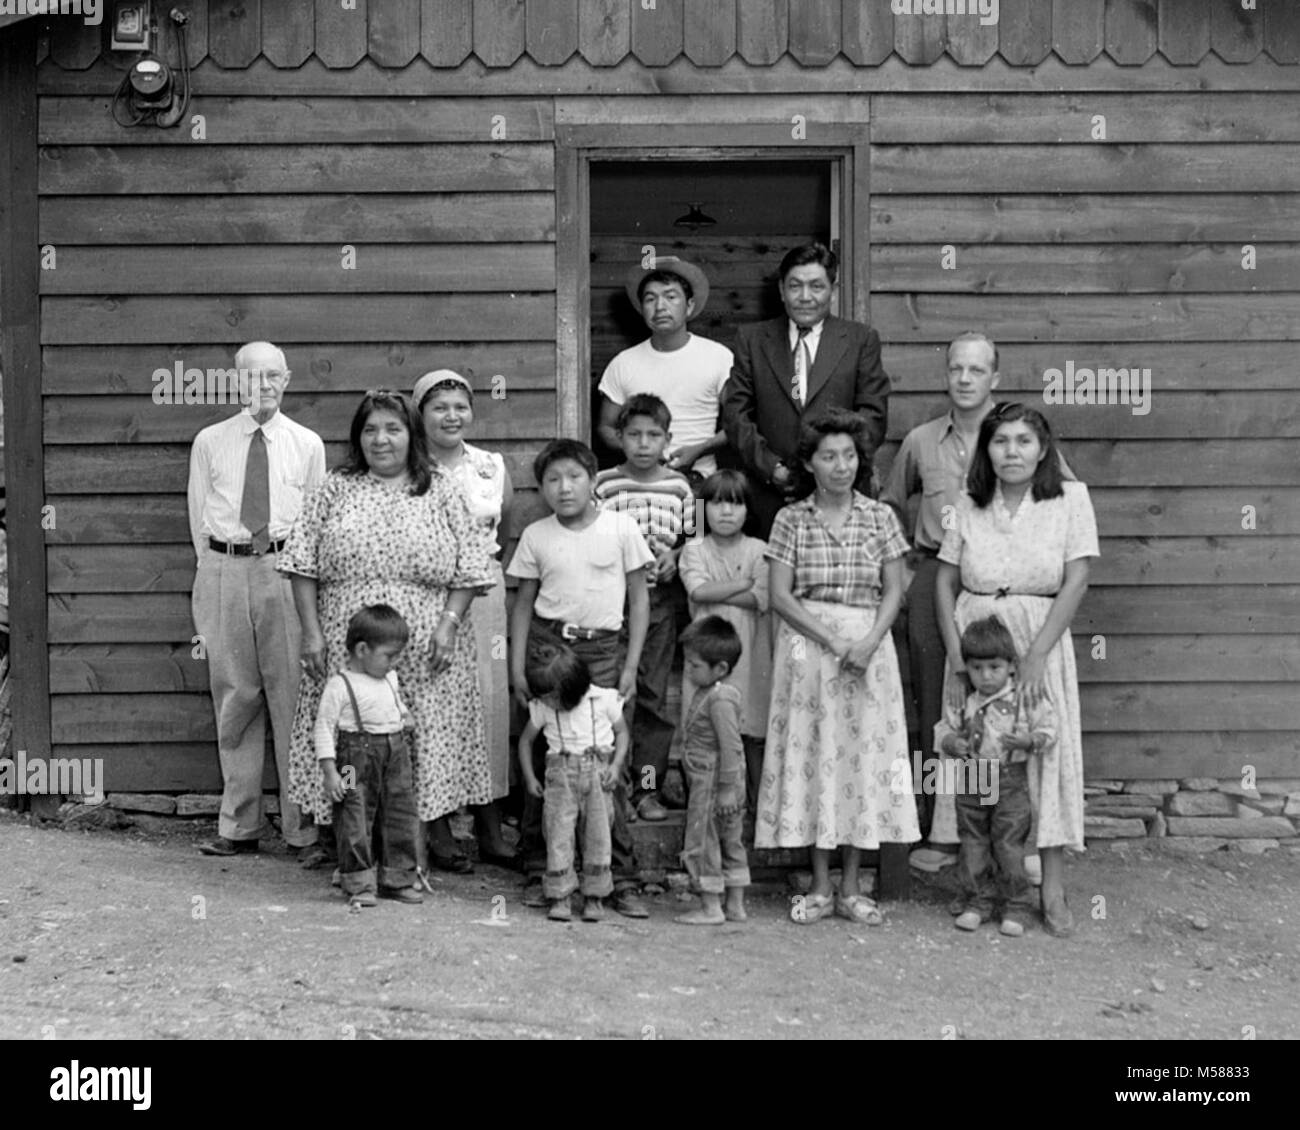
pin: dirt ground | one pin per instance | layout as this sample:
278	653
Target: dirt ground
125	935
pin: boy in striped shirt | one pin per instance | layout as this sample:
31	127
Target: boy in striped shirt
663	505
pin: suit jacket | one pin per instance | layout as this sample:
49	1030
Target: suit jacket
761	418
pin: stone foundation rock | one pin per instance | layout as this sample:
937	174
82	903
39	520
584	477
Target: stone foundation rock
1232	827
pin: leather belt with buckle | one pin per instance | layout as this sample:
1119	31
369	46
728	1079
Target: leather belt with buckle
572	632
230	549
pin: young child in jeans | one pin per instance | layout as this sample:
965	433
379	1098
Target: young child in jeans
586	741
714	759
576	568
994	829
367	770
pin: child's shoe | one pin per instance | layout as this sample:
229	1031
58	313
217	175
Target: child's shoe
593	910
363	898
1011	928
968	920
560	910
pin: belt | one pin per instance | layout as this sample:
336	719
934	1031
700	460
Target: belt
573	632
926	551
233	550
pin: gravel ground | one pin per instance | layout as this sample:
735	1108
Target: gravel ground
112	934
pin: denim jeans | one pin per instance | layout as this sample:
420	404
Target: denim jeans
604	659
713	854
991	867
577	805
652	728
383	795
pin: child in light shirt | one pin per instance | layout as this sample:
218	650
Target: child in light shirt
367	768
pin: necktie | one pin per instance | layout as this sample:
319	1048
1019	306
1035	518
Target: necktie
802	366
255	507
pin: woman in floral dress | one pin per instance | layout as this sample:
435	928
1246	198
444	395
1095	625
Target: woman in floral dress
836	773
1019	550
386	528
445	403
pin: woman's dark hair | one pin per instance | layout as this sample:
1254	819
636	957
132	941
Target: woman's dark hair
559	449
554	668
832	422
810	254
714	640
989	638
981	481
417	451
377	624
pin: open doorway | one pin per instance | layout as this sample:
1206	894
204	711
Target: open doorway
760	208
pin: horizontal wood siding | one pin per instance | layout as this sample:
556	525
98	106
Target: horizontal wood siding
1127	252
1122	253
171	251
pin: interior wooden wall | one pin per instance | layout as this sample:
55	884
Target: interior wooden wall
1124	252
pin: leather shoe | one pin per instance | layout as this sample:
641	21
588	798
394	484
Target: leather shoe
629	904
649	809
401	894
457	864
496	859
223	846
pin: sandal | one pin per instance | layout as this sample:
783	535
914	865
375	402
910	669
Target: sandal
859	908
805	909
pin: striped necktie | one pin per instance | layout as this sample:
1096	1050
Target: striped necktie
255	507
802	366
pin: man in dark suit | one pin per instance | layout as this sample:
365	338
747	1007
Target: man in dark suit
791	369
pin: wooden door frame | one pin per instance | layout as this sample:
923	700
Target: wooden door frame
20	354
579	144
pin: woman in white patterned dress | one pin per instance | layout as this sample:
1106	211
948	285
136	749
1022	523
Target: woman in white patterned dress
445	401
836	773
385	528
1019	550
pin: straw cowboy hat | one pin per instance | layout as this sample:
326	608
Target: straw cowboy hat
671	263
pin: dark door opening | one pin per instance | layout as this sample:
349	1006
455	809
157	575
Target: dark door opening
761	209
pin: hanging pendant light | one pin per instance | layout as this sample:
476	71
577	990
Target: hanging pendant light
695	219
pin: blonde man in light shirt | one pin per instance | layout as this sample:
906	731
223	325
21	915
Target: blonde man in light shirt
248	477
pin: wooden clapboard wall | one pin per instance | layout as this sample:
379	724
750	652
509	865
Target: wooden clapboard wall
167	250
1128	253
324	132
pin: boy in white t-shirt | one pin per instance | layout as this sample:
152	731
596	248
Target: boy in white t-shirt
586	739
367	771
575	569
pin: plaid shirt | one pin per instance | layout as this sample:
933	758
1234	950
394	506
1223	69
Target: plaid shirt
842	568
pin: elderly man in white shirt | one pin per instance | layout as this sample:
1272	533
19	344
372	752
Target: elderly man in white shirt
249	476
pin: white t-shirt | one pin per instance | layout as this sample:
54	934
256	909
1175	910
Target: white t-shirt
689	380
583	573
590	723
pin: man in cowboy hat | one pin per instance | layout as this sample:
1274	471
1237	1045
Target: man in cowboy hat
684	370
791	369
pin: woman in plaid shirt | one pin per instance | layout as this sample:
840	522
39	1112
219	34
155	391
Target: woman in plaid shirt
836	773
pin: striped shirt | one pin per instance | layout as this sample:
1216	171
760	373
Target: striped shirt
663	509
295	460
843	567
